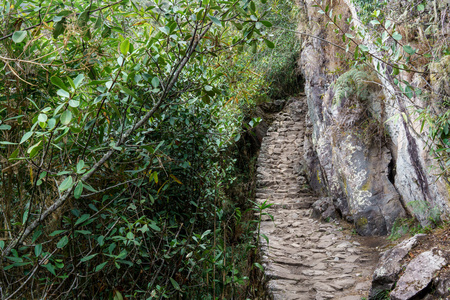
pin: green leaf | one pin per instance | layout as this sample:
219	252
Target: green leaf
106	32
42	118
89	188
63	93
396	36
15	259
56	232
259	266
14	154
269	44
125	47
59	83
33	147
117	295
19	36
66	184
254	47
82	219
208	88
408	49
83	232
409	91
78	80
50	268
165	29
92	206
88	257
215	20
26	136
70	82
80	166
175	284
38	249
74	103
83	18
100	266
128	91
58	29
395	71
239	25
266	23
66	117
62	242
364	48
387	24
153	226
5	127
155	82
420	7
78	190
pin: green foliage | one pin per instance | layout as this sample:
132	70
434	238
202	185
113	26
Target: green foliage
367	7
353	83
279	65
403	226
116	147
433	214
381	295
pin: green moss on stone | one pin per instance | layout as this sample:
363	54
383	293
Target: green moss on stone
361	222
366	185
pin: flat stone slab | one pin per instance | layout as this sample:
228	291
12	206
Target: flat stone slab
418	274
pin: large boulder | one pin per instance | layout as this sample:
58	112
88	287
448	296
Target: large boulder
353	156
390	265
418	274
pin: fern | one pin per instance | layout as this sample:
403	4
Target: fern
353	82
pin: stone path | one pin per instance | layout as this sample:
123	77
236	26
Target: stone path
305	258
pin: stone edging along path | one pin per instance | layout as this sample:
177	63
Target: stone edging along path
305	258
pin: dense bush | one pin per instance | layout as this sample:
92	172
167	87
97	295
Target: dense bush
117	121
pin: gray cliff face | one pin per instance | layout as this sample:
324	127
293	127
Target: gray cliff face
363	150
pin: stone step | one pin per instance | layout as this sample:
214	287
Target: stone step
304	259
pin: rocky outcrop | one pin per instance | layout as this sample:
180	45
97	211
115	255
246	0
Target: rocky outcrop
418	275
390	265
405	272
363	150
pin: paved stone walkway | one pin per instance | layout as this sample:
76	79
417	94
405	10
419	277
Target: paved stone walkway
305	258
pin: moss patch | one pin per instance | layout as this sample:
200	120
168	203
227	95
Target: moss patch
361	222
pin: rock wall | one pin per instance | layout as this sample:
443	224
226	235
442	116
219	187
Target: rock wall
363	149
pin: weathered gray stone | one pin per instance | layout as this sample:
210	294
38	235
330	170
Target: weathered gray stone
418	274
357	150
389	265
324	208
441	287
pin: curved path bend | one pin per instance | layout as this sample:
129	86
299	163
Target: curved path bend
305	259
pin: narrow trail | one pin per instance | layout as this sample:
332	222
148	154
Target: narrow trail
305	258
